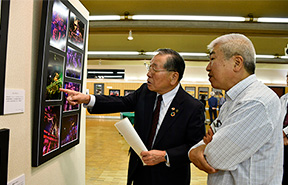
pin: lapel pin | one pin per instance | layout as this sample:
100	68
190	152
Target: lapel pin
174	111
172	114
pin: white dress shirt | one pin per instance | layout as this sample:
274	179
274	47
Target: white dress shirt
165	104
248	147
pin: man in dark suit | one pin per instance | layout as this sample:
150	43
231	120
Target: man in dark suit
179	126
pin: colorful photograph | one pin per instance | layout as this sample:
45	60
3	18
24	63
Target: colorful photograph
69	129
73	64
54	76
74	87
114	92
76	31
59	25
51	135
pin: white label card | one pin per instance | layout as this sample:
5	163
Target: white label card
14	101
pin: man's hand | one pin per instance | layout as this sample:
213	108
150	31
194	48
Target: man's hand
285	139
208	137
196	156
153	157
75	97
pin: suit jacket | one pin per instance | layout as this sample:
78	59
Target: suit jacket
182	127
283	100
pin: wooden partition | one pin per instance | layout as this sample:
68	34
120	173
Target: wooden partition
192	89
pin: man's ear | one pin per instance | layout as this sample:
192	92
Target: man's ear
238	62
174	78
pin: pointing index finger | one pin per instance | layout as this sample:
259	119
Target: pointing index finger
68	91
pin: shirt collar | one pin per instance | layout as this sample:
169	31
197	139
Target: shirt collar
168	97
240	86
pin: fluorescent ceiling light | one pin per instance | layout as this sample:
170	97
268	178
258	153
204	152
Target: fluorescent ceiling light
188	18
284	57
182	54
113	53
265	56
272	20
100	72
194	54
113	76
120	72
104	17
150	53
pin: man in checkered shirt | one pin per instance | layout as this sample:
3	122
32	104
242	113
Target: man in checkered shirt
245	146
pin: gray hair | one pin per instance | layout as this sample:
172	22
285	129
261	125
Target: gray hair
236	44
174	61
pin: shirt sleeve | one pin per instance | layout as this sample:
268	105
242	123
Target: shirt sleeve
91	102
245	130
196	145
285	130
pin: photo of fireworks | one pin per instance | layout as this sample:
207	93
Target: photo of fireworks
59	25
71	86
69	129
51	135
54	76
73	64
76	31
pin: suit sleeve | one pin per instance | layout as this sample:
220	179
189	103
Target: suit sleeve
194	132
112	104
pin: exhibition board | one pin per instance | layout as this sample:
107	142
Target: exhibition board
60	65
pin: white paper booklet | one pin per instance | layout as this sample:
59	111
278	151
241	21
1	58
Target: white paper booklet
130	135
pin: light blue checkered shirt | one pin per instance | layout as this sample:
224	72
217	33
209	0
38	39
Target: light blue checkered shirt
248	147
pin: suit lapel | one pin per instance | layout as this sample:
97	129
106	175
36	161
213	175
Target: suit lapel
171	115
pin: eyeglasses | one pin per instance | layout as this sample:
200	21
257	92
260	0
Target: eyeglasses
151	66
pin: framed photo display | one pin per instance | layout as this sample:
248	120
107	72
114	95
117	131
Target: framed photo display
60	65
4	20
4	154
98	89
190	90
114	92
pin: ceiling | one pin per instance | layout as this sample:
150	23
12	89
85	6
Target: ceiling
184	36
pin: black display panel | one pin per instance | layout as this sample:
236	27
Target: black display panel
4	153
60	65
4	19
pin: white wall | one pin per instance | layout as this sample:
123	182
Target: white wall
69	167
